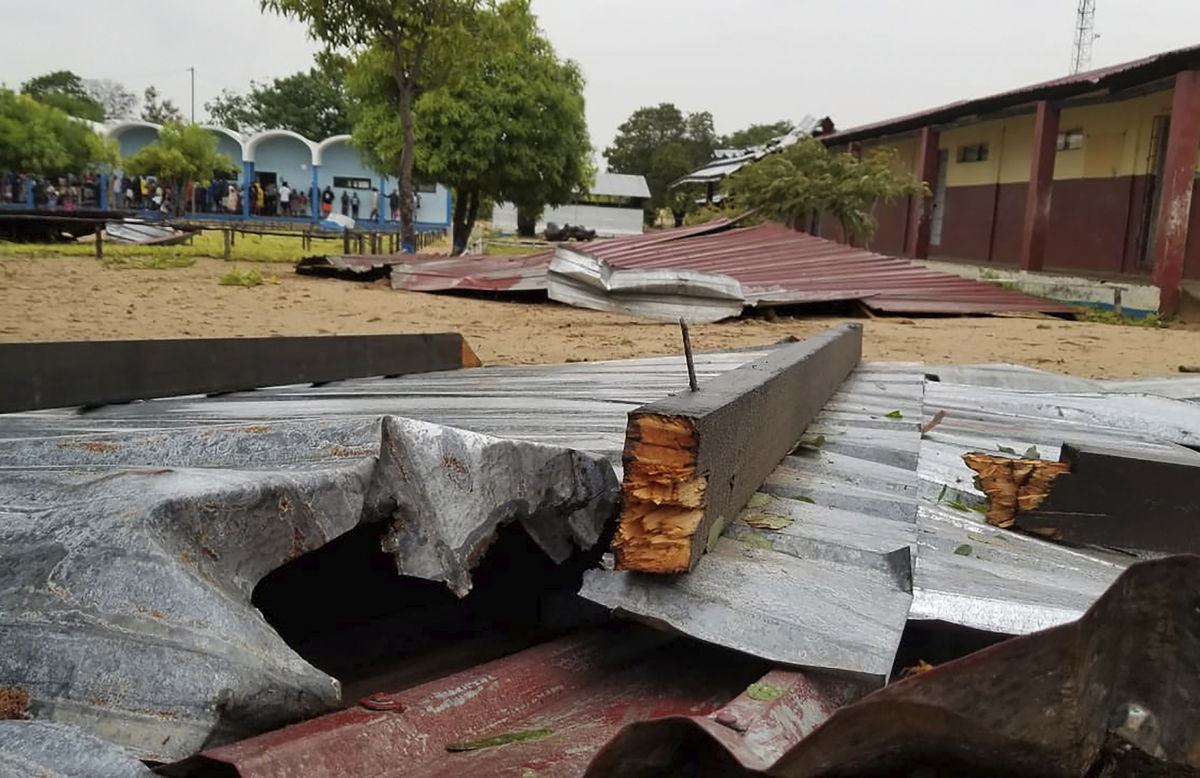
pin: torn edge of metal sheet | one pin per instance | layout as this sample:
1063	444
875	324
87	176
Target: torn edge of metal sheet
49	750
126	591
446	492
668	294
1114	688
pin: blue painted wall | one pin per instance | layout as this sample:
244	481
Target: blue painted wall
135	139
229	147
289	159
341	159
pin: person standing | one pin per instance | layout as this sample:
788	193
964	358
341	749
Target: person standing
345	203
374	204
354	203
394	204
327	201
285	199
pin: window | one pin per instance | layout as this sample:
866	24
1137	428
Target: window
426	188
347	182
975	153
1070	140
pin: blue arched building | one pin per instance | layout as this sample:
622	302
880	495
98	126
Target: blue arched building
276	156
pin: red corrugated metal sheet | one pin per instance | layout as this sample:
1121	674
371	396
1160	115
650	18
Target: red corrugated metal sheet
778	266
1110	694
1146	68
576	693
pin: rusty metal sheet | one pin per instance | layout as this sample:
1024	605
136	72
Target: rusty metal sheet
1110	694
569	696
778	266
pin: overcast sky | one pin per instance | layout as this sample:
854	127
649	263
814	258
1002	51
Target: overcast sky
744	60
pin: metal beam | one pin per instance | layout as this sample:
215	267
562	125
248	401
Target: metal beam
57	375
693	460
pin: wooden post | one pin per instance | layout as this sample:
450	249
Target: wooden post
228	241
1179	174
1041	185
921	208
345	241
99	242
360	244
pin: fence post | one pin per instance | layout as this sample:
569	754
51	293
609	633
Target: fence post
99	242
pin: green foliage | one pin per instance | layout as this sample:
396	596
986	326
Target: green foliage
237	277
763	692
418	43
512	128
755	135
65	91
663	145
182	153
313	103
806	178
158	111
43	140
1109	316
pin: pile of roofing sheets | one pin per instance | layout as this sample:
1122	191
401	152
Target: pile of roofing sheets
703	273
135	533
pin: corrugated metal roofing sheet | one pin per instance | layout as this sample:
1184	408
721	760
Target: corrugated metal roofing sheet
619	185
1123	74
779	266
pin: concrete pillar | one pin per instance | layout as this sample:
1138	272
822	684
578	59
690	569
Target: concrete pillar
382	201
1041	185
103	192
315	200
247	179
29	191
921	208
1179	175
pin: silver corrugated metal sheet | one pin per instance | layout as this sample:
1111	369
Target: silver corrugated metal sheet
619	185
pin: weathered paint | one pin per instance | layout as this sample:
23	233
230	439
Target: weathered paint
1041	177
1179	173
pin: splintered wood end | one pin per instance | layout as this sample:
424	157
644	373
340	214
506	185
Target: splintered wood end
662	496
1013	485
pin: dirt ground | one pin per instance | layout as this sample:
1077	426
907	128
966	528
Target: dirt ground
75	298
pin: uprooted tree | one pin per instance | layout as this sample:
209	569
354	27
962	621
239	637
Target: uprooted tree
805	179
183	154
420	44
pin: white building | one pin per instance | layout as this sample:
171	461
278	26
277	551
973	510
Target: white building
613	206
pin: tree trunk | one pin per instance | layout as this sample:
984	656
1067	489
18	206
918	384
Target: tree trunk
462	221
527	219
679	217
408	232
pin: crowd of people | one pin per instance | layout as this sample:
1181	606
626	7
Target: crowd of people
222	195
65	192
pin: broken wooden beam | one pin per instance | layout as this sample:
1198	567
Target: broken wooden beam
1139	502
693	460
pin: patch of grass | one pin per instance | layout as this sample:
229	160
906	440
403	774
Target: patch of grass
237	277
511	249
1109	316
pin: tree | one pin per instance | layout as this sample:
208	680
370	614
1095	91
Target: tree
417	42
66	91
312	103
158	112
43	140
663	145
513	129
806	178
183	154
755	135
117	101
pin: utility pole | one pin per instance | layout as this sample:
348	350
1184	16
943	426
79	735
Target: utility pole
1085	36
193	72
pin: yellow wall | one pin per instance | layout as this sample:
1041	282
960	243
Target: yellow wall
1118	141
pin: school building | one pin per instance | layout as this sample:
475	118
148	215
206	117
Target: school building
275	156
1092	174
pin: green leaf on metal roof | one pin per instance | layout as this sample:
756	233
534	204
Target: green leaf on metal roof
763	692
895	415
501	740
964	550
769	521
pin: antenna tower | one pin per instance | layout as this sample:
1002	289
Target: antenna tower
1085	36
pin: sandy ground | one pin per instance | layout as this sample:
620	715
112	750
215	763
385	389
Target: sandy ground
82	299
